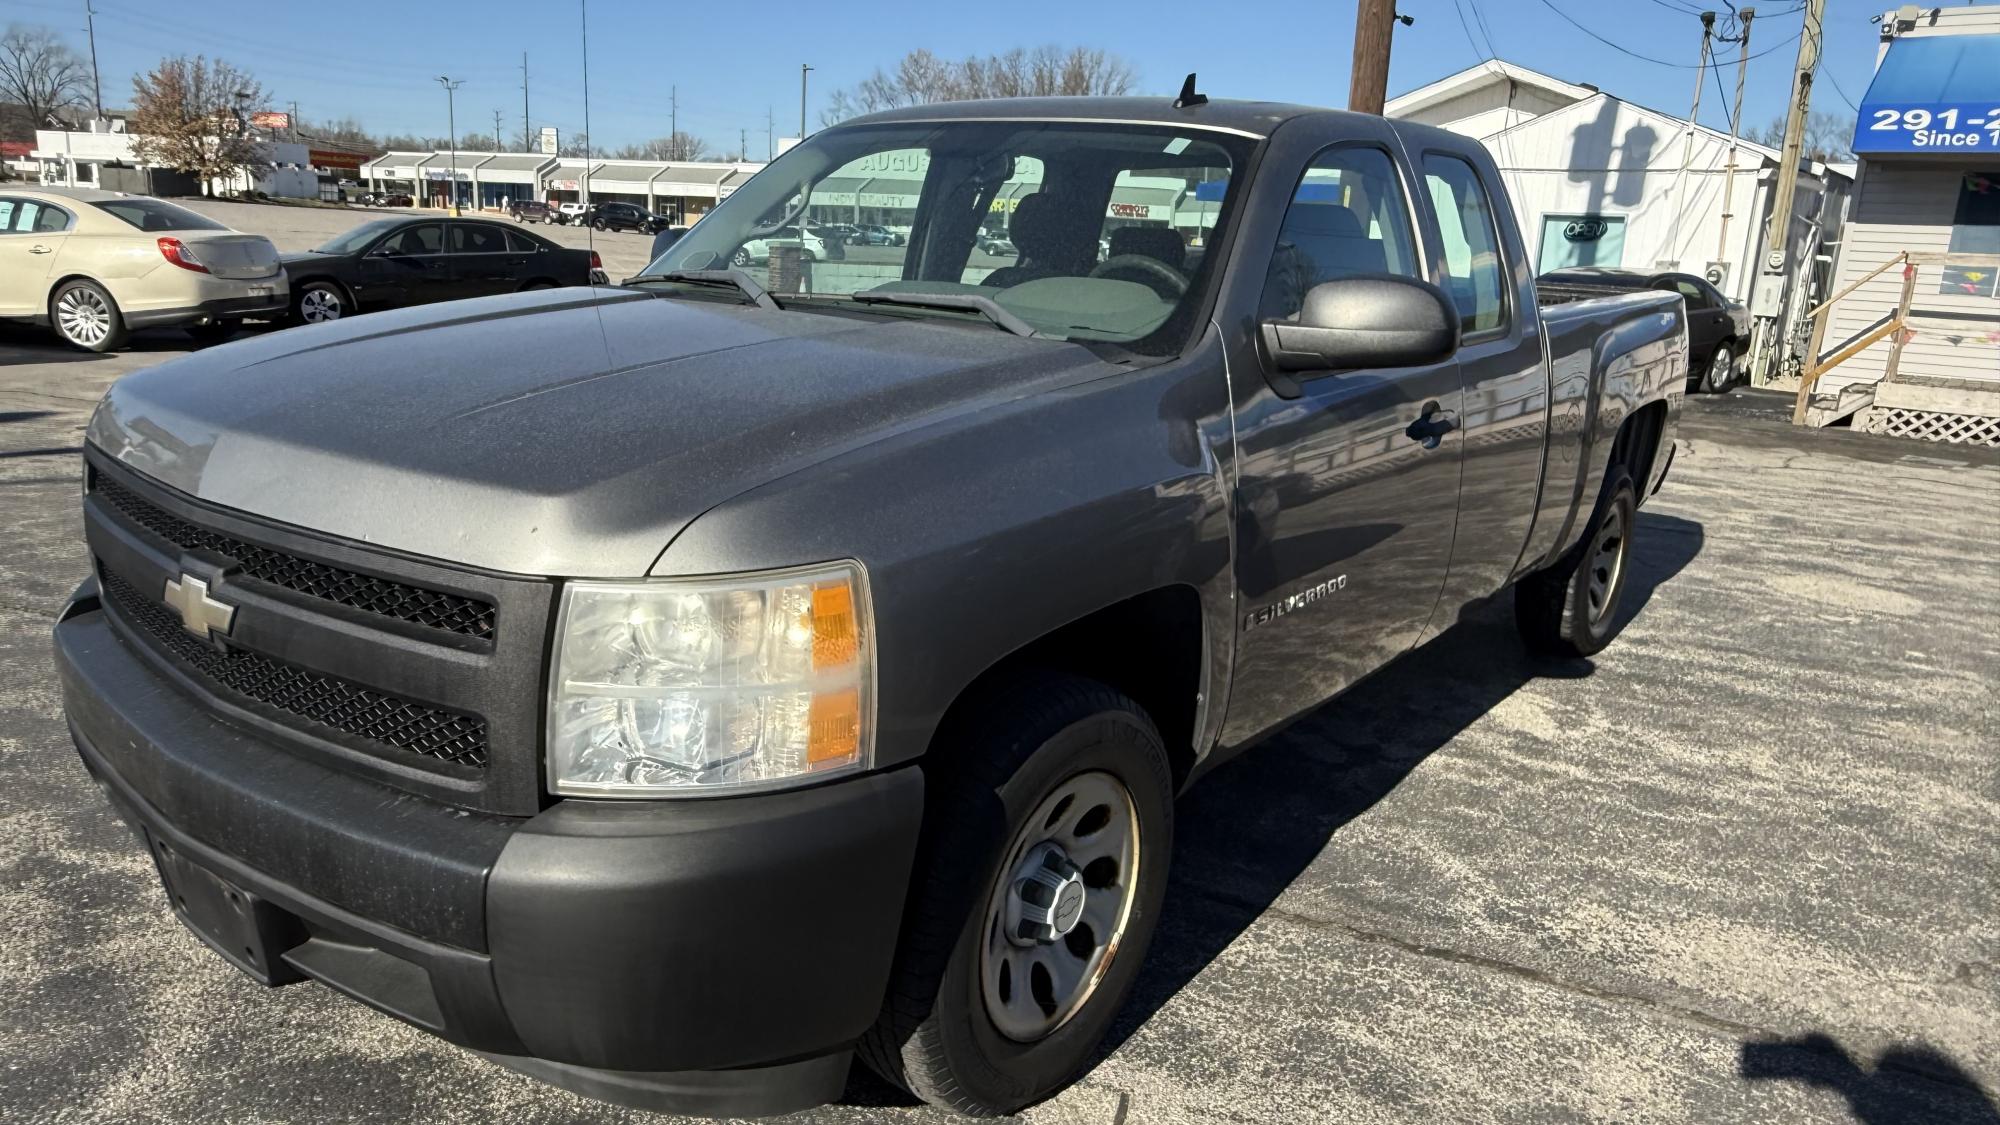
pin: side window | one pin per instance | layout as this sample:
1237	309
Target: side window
1348	216
1696	299
415	241
10	212
1471	237
519	243
477	238
51	220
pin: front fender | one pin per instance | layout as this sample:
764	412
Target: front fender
983	533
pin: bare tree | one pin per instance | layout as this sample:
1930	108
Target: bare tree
921	77
680	146
40	73
577	145
346	130
1827	135
477	142
188	114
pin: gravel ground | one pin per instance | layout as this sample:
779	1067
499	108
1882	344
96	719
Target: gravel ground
1739	867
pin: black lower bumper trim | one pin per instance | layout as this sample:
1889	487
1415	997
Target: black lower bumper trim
759	1091
208	312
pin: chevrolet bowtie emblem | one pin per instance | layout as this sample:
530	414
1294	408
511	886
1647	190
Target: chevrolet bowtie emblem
200	614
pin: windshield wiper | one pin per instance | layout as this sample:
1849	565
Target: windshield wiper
733	279
953	302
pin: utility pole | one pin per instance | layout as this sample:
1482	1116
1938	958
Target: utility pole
1743	19
742	144
1777	236
497	143
1672	259
96	81
293	120
1374	31
673	123
451	123
527	136
803	71
770	134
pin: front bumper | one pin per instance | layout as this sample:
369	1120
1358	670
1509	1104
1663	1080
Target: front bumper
715	956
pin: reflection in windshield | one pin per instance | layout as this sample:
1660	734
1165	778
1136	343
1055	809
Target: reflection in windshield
357	238
1083	231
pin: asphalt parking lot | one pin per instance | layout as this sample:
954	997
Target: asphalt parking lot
1740	867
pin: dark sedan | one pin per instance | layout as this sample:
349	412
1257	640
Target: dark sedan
390	263
1718	328
627	216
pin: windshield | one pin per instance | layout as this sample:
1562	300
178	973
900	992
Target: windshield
358	237
155	215
1084	231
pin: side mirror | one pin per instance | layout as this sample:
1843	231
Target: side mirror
1371	320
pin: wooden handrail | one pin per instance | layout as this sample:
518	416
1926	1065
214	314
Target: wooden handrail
1900	259
1898	320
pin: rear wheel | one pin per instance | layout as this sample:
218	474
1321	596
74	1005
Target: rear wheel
85	316
1571	609
740	258
1043	867
1721	370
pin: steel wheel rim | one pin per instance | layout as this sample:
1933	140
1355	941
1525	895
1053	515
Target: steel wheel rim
1040	961
1719	366
317	306
83	316
1607	563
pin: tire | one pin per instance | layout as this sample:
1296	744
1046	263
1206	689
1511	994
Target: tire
213	333
740	258
86	317
533	286
1570	609
1721	369
320	302
960	1027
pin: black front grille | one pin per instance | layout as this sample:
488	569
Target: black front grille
358	712
454	612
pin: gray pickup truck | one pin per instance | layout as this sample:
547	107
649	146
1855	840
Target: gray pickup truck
675	690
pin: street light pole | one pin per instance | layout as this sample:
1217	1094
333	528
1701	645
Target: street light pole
804	70
451	86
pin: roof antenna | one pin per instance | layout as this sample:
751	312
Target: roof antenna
1189	99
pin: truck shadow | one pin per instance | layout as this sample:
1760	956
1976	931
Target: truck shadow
1909	1084
1247	831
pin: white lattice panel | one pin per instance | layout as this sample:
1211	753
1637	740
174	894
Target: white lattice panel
1933	425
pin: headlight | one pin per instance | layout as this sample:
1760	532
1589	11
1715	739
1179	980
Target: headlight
683	688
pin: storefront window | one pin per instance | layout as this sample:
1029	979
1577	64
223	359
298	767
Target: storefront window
1975	229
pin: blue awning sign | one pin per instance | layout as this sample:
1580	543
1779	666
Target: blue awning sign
1933	94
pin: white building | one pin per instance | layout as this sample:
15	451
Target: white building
1929	185
109	159
1597	180
687	189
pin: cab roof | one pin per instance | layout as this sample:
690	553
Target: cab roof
1257	119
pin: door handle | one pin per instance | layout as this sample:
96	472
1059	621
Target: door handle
1431	426
38	249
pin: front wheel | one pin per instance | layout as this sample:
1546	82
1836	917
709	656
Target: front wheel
1721	370
1571	608
1043	865
319	302
740	258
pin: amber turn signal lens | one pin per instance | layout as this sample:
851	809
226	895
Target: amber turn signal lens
835	636
834	728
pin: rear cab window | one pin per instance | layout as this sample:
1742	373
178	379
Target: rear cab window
151	215
1469	233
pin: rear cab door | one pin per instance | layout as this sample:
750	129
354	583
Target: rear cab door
1348	479
1477	256
482	260
32	234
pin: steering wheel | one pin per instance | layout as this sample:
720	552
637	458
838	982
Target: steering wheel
1146	265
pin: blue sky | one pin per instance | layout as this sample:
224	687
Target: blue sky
375	61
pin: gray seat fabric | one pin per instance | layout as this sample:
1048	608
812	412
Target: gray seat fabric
1320	242
1042	228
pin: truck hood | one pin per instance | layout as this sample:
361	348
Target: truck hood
569	432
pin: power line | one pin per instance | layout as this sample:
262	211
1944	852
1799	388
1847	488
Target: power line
1621	49
1835	83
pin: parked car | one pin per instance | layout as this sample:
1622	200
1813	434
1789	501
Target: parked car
93	265
869	235
387	199
528	211
390	263
674	691
997	245
817	246
1718	328
570	214
663	241
627	216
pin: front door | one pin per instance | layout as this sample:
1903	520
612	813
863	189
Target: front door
1708	321
32	234
1348	488
408	267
